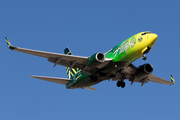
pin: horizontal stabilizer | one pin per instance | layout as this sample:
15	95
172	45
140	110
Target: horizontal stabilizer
90	88
63	81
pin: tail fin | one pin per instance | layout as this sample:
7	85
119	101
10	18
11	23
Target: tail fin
67	51
70	72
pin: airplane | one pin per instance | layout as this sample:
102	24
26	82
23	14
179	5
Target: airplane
116	64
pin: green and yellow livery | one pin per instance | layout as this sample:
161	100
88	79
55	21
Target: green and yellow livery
116	64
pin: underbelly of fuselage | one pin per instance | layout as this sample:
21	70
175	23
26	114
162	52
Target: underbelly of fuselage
83	84
113	68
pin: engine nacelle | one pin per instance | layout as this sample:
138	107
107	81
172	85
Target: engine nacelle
143	71
95	60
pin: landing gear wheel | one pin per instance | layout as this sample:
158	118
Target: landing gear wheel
144	57
121	84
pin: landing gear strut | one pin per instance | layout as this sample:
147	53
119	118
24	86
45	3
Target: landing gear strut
144	57
121	84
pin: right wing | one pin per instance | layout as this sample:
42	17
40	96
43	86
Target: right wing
131	71
63	81
156	79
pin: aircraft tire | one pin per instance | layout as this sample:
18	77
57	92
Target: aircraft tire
123	84
118	84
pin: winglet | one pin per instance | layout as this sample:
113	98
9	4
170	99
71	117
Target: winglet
172	79
9	44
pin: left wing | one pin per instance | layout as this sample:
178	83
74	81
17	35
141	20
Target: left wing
56	58
71	61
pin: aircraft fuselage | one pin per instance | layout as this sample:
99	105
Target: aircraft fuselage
122	55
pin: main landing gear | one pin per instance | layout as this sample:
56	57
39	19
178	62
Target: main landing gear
144	57
121	84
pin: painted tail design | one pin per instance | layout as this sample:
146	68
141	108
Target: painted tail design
70	71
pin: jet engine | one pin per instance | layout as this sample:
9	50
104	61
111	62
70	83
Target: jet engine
143	71
95	60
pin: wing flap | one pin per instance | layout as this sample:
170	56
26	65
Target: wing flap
63	81
156	79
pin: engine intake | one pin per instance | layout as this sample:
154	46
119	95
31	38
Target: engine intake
143	71
95	59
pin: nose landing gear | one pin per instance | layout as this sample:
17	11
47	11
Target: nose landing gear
145	51
144	57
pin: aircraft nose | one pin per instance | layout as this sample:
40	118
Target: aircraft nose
155	36
152	37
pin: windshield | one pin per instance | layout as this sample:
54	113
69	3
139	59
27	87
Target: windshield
147	32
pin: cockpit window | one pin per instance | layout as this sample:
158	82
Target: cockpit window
148	32
143	33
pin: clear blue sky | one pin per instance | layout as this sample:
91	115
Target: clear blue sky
86	27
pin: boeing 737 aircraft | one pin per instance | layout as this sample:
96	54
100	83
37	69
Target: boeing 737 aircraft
116	64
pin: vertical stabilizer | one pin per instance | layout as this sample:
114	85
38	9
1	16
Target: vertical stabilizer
70	72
